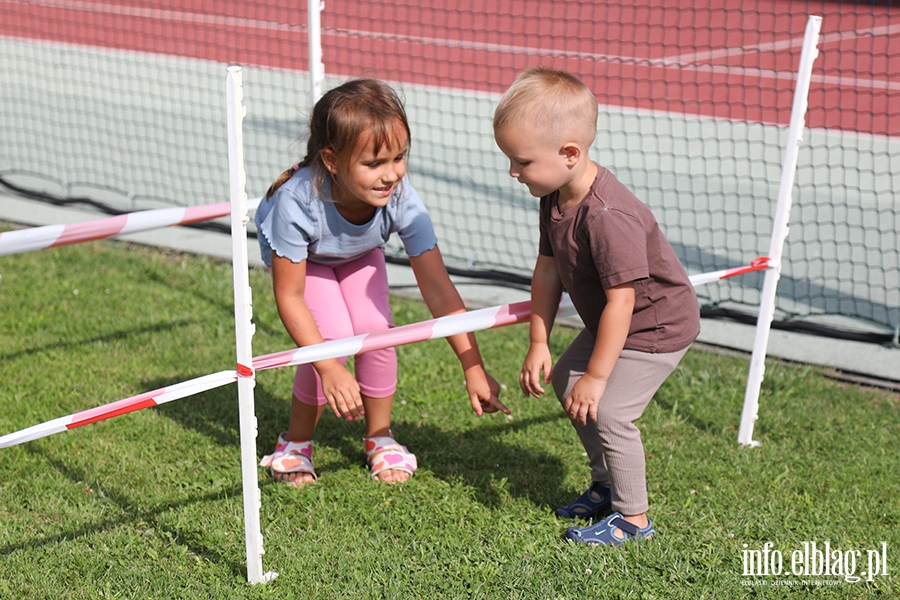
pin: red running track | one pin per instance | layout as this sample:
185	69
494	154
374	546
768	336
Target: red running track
718	58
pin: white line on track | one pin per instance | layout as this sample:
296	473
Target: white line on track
684	62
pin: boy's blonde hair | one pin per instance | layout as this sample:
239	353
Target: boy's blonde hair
554	100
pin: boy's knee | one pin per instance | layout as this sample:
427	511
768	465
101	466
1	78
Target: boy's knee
560	380
611	424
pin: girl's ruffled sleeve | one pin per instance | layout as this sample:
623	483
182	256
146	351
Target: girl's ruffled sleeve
289	227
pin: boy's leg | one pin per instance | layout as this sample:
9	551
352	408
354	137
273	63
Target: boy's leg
566	372
632	384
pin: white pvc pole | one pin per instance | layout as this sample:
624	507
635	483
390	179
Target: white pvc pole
316	66
243	314
779	232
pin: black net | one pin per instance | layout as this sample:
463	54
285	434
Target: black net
123	103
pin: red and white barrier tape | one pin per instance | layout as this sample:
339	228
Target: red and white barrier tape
120	407
476	320
50	236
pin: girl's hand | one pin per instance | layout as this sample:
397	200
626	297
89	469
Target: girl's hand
585	399
341	391
537	360
484	392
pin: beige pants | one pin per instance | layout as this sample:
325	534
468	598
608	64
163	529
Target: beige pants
613	443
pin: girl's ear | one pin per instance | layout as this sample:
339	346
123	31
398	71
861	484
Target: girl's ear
329	161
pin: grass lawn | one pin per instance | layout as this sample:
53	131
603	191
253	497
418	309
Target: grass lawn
148	505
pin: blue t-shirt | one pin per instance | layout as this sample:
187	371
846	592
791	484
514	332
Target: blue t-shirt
298	224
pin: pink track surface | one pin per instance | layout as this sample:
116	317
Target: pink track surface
638	54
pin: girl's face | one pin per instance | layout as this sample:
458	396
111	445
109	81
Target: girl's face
369	179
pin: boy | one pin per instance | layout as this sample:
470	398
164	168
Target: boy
602	245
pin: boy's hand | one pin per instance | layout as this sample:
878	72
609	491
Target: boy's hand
537	360
585	399
341	391
484	392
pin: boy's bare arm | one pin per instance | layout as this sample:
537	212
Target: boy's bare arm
615	321
546	289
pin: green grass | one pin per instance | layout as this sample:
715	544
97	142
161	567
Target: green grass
148	505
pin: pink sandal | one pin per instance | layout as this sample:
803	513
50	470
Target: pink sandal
290	457
383	453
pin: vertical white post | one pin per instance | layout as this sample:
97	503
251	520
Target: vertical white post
779	232
243	325
316	66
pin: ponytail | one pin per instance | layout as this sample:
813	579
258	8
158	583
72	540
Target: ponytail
281	180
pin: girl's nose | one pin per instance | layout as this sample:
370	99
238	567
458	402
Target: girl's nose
393	174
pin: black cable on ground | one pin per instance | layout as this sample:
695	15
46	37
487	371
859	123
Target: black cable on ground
715	312
497	277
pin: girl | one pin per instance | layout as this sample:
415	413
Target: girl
322	229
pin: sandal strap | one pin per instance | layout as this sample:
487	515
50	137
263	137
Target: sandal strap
626	526
290	457
603	532
586	506
383	453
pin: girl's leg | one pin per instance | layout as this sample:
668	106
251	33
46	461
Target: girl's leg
304	418
328	308
364	286
323	297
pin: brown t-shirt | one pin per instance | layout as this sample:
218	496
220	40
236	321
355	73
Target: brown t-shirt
611	238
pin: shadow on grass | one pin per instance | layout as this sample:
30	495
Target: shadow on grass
213	414
222	305
477	457
121	334
133	513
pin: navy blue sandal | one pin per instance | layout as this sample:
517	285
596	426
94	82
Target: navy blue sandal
603	532
586	505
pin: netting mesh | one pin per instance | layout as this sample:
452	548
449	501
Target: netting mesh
123	102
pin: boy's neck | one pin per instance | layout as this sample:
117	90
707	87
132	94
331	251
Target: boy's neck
571	194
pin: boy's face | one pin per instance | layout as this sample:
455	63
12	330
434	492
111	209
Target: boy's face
534	159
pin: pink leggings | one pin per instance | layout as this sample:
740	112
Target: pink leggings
349	300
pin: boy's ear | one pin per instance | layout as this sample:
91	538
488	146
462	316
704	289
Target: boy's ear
328	160
571	152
